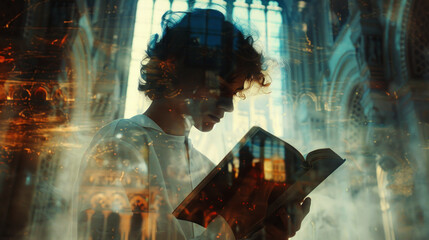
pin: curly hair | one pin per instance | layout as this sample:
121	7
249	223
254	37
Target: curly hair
201	40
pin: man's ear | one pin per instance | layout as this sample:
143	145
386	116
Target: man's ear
183	105
211	79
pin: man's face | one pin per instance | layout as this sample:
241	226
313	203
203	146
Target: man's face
208	105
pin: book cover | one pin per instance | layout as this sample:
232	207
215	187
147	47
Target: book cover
258	176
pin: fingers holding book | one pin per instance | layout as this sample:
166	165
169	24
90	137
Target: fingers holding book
287	220
298	211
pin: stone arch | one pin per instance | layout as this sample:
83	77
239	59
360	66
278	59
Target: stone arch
344	79
355	126
20	93
40	94
347	68
57	94
310	95
395	41
138	203
99	200
119	202
306	104
81	67
402	64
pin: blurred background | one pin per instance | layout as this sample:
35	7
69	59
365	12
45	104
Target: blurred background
352	75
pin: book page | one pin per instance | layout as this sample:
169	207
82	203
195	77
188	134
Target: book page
323	153
323	162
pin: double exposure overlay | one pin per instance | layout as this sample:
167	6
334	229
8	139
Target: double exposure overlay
350	75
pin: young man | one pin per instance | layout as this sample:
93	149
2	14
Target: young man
191	74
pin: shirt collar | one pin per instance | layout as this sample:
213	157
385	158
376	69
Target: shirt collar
147	122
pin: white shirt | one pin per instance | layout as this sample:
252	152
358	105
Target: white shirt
136	159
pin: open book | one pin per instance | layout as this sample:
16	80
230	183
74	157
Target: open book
257	177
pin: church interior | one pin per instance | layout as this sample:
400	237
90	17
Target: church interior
350	75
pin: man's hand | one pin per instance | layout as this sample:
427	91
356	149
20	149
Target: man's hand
287	220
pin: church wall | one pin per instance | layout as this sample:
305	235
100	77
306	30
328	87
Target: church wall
58	55
373	110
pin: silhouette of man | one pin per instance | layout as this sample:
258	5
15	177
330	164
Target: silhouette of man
191	74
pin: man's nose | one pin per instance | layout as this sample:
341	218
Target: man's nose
225	103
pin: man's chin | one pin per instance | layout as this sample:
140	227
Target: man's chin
205	127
